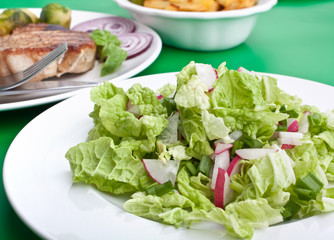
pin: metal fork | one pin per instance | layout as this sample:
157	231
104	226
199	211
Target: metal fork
16	79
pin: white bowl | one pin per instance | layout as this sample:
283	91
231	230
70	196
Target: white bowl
201	31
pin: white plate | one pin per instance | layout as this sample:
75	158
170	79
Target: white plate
38	179
128	69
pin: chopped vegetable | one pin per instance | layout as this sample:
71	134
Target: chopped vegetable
108	50
54	13
308	187
205	165
160	189
160	171
15	17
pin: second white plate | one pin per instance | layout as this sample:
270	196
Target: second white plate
129	68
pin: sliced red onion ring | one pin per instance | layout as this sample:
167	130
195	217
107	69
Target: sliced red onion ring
135	43
116	25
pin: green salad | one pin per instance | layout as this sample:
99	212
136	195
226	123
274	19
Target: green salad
224	146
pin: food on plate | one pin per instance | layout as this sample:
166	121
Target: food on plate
133	42
20	50
196	5
108	50
54	13
13	18
222	145
117	38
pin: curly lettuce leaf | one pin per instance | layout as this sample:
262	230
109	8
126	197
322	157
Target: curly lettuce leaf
272	173
166	91
146	100
110	168
256	124
170	208
238	90
195	195
194	132
272	94
192	94
185	74
108	50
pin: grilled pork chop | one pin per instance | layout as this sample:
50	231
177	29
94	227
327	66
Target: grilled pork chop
20	50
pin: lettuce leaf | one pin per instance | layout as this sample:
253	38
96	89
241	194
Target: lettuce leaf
166	90
193	130
185	74
108	50
238	90
272	173
272	94
170	208
192	94
110	168
195	195
256	124
146	100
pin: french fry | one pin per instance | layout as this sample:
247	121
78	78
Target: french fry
199	5
160	4
172	7
236	4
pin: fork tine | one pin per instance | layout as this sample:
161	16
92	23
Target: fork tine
19	78
36	68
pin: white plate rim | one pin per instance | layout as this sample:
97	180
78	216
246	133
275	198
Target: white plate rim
157	43
317	226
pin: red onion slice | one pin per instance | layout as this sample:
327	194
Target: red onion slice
135	43
116	25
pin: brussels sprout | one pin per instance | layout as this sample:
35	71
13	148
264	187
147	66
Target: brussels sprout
19	18
15	17
33	17
55	13
6	26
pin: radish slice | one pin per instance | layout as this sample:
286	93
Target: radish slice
115	25
134	109
221	161
304	123
294	135
221	147
234	166
223	192
162	172
159	97
135	43
235	135
292	125
287	146
254	153
288	141
207	74
244	70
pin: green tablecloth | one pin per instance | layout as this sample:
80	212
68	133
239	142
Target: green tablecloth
295	38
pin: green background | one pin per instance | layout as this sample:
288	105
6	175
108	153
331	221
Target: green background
295	38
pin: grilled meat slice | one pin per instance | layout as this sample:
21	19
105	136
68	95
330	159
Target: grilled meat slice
20	50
